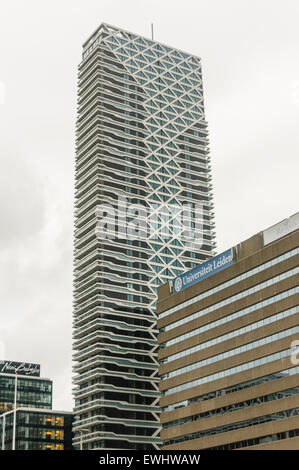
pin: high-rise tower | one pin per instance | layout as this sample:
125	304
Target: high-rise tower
142	140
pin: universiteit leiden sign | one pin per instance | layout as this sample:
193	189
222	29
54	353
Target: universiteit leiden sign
20	368
204	270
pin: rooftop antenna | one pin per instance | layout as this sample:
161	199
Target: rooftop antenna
152	28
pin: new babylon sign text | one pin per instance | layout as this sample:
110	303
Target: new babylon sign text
20	368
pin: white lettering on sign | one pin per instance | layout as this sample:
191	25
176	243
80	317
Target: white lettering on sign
21	368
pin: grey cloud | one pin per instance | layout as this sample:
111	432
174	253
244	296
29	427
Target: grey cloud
250	71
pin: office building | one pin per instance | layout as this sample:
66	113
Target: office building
229	347
142	140
37	426
37	429
33	391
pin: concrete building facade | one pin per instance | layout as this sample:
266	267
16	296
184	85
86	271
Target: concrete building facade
228	348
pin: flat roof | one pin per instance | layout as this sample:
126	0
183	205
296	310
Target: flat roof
38	410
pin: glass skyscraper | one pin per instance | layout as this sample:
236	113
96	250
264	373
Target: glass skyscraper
143	215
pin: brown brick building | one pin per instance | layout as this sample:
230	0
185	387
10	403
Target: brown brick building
228	355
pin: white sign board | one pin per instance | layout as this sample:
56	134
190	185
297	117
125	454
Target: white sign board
281	229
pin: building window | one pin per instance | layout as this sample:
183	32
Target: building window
49	421
59	421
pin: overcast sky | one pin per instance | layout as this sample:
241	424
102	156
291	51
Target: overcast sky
250	58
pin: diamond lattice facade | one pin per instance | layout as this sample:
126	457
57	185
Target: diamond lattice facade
141	139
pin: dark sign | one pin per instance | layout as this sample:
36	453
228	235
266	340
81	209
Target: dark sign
20	368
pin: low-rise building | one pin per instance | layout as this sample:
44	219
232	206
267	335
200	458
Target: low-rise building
37	429
32	390
27	421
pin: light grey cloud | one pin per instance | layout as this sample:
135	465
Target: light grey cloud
251	85
21	202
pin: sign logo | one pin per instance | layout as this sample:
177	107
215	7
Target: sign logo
203	270
20	368
178	284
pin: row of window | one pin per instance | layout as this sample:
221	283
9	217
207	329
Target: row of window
258	440
23	397
242	424
234	298
232	370
233	316
33	433
221	321
234	407
39	420
199	330
232	281
33	445
24	384
235	351
232	389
